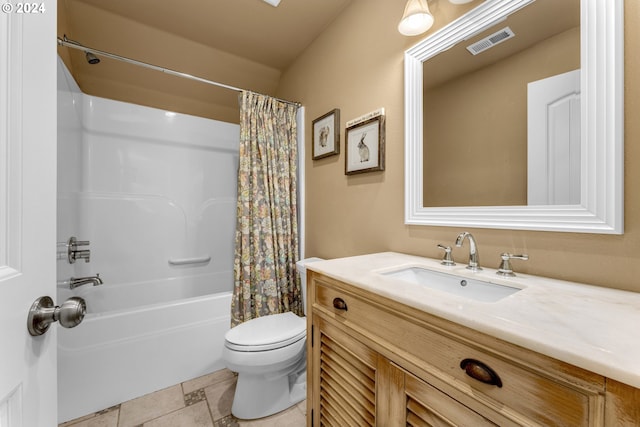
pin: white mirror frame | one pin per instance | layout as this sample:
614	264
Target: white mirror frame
602	127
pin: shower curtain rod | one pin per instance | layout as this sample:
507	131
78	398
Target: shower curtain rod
75	45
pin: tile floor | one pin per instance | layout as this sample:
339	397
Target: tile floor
201	402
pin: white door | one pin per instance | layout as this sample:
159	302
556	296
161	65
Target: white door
553	174
28	395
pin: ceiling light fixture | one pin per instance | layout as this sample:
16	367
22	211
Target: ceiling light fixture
416	18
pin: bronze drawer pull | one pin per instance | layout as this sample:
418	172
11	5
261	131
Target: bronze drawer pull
481	372
339	304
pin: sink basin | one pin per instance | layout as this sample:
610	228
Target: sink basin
477	290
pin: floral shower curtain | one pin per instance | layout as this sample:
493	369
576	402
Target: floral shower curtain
266	245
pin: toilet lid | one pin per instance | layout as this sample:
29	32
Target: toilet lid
267	332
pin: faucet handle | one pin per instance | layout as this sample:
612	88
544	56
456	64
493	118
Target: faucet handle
84	254
505	268
74	254
73	243
446	259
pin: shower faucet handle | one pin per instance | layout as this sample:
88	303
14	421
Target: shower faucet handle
74	243
73	254
84	254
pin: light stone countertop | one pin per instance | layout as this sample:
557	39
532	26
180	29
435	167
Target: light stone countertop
595	328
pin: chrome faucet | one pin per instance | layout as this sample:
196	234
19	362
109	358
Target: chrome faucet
474	258
74	282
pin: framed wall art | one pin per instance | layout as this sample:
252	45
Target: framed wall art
326	135
364	146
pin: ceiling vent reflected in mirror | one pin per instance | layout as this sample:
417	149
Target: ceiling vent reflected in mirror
491	41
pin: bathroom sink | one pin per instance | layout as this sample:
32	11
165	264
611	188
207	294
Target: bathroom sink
477	290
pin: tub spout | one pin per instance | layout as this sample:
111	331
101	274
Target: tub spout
74	282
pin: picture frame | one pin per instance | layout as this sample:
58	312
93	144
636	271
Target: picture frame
326	135
365	146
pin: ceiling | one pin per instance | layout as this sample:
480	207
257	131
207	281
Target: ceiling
531	25
273	36
243	43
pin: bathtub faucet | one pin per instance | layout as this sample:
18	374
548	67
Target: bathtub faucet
74	282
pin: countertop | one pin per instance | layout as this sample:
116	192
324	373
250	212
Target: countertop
591	327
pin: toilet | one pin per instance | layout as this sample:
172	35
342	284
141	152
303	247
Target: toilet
269	355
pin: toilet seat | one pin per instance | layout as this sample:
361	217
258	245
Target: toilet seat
267	333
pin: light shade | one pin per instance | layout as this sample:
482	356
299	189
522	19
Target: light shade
416	18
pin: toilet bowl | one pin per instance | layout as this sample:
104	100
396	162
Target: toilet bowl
269	355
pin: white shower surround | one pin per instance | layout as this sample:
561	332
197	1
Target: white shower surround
145	186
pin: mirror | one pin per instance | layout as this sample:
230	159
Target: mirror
524	65
597	205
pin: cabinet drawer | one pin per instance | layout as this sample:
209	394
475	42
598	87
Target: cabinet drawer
539	391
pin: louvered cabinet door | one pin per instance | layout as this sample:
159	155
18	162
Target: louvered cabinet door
344	382
416	403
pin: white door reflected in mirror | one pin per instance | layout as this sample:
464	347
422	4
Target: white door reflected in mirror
553	168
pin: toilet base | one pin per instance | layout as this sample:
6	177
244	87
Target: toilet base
259	396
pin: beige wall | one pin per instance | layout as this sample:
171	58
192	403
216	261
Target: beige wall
357	65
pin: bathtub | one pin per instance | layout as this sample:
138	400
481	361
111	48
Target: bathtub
155	194
123	350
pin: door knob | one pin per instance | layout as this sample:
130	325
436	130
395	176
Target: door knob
43	313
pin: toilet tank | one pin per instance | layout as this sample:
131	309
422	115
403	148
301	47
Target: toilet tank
302	270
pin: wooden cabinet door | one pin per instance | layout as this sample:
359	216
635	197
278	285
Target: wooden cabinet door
344	378
416	403
355	386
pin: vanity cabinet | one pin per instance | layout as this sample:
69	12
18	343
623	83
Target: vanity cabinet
373	361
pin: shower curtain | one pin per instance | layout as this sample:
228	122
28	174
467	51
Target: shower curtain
266	244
